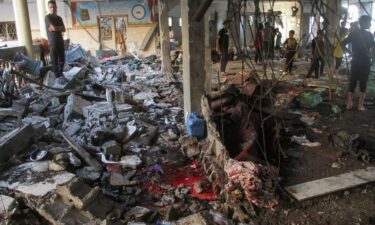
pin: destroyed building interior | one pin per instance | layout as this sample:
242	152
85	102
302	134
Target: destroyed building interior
187	112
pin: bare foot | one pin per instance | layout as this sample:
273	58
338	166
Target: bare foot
349	105
361	108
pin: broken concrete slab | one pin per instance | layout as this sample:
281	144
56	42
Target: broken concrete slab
96	111
77	192
145	95
7	204
82	152
74	106
60	212
117	179
37	121
33	179
88	173
73	128
74	76
17	140
331	184
101	206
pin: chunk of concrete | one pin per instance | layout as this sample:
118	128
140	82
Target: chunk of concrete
7	204
17	140
94	112
33	179
101	206
77	192
74	76
88	173
74	106
37	121
60	212
196	219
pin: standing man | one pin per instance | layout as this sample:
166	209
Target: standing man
362	45
317	48
222	45
55	27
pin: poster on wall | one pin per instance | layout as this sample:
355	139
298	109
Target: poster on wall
138	12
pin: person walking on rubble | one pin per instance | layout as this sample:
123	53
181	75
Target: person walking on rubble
55	28
363	45
317	48
290	45
222	45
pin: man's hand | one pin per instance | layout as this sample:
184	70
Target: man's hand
53	28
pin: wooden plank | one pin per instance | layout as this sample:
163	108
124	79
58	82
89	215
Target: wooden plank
149	34
332	184
82	152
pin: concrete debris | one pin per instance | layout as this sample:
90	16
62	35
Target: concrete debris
117	126
7	205
190	146
31	179
74	106
37	121
16	141
88	173
82	152
196	219
118	179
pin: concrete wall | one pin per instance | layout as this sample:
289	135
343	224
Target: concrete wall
76	34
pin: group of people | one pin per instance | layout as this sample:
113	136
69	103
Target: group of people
360	42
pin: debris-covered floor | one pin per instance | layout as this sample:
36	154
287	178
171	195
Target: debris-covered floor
108	145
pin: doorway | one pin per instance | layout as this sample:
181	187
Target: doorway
112	33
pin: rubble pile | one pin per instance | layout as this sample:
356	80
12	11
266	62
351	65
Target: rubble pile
101	145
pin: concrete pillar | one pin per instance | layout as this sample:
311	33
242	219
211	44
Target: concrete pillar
21	14
42	12
305	28
193	43
166	62
207	54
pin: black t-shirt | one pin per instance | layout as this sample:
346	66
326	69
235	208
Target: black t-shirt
318	47
362	41
54	36
224	39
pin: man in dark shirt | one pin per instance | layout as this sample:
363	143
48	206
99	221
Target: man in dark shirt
317	48
222	45
55	27
362	43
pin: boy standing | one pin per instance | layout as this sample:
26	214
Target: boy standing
317	48
291	47
222	45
